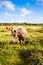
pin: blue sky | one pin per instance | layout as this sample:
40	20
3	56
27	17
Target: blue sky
20	11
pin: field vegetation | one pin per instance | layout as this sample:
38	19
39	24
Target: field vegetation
30	54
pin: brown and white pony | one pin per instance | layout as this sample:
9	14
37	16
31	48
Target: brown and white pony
19	33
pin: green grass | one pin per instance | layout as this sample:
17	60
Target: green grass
30	54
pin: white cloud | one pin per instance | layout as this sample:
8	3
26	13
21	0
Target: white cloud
23	15
39	19
8	5
7	14
35	19
25	12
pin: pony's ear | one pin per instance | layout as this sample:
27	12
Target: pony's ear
14	30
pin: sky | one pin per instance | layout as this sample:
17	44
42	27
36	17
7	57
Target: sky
20	11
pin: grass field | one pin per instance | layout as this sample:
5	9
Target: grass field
13	54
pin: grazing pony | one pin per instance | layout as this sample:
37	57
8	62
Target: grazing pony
8	27
19	33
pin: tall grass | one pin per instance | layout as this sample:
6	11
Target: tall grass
30	54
